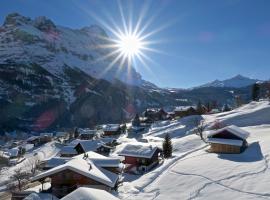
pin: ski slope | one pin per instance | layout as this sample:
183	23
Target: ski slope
193	173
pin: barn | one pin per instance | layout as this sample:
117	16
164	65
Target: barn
230	139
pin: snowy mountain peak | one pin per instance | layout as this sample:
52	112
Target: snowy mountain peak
40	41
237	81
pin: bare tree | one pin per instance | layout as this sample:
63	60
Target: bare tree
19	176
200	127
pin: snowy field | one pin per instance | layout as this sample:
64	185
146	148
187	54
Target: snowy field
193	173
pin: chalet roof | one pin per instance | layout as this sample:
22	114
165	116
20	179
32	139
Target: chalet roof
90	145
141	151
89	194
111	127
61	134
68	150
87	132
46	134
225	141
84	167
101	160
32	138
56	161
184	108
13	152
232	129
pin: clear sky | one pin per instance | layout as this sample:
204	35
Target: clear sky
200	40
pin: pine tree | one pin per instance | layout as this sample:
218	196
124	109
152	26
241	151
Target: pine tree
200	108
255	92
167	146
136	121
76	133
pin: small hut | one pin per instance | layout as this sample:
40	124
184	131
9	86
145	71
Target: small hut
230	139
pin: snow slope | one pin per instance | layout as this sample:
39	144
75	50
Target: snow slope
193	173
42	153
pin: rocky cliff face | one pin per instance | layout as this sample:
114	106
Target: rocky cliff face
52	76
53	47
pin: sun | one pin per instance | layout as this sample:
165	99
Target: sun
130	45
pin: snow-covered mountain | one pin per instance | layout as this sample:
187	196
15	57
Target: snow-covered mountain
235	82
54	47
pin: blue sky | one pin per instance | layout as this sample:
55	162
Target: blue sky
200	40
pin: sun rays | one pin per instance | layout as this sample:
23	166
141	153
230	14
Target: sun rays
130	38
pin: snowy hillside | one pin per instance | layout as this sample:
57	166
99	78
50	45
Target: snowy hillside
42	42
193	173
235	82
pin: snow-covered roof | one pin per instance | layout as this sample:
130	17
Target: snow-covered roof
61	134
111	127
40	196
225	141
87	132
90	145
56	161
46	134
142	151
68	150
232	129
13	152
183	108
32	138
85	193
86	168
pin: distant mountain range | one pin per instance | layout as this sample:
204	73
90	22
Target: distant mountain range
53	77
238	81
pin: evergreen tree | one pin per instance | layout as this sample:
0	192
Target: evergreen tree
255	92
226	108
76	133
167	146
200	109
136	121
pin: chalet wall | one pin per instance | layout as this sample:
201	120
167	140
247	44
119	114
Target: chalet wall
67	181
224	148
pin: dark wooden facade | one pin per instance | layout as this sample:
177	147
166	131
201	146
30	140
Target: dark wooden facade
187	112
64	182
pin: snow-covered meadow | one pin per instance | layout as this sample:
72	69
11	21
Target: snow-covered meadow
193	173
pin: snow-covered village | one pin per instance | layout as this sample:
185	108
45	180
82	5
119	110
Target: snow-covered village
134	100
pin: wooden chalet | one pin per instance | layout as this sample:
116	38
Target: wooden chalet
183	111
35	140
155	114
46	137
230	139
141	157
87	134
76	173
112	129
99	146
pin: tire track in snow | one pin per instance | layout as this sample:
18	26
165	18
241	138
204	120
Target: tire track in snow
157	175
218	182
